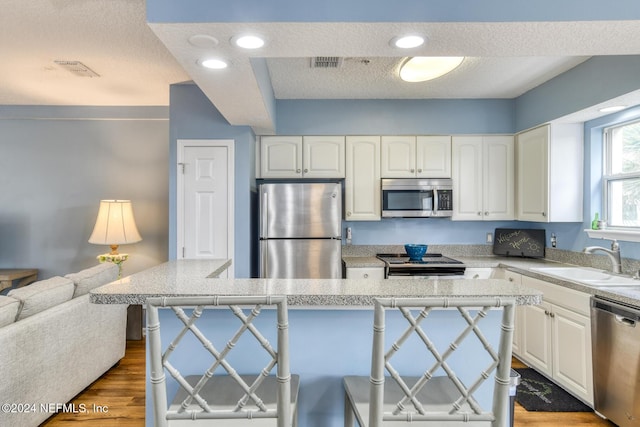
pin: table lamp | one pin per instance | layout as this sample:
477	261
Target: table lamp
115	226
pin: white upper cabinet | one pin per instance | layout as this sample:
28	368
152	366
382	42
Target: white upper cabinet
416	157
433	156
281	156
302	157
483	178
323	156
549	172
398	157
362	182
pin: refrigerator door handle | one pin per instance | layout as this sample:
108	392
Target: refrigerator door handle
265	209
263	259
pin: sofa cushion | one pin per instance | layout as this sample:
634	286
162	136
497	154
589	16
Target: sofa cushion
8	310
41	295
90	278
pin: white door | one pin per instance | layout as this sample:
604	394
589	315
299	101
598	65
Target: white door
205	199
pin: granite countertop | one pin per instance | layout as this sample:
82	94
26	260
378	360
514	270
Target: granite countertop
193	277
522	266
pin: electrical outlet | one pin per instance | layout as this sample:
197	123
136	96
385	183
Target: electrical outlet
489	237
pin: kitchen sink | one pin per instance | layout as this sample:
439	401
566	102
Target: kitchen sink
588	276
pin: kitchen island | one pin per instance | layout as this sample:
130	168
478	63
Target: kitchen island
330	321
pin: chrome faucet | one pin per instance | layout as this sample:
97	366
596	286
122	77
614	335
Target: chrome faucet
613	253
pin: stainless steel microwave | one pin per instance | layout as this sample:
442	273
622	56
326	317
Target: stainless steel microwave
417	197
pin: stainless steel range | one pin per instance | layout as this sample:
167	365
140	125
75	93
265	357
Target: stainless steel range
431	265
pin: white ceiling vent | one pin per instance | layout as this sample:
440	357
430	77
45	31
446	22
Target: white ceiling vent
77	68
326	62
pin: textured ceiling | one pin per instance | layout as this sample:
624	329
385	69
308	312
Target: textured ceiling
109	36
137	62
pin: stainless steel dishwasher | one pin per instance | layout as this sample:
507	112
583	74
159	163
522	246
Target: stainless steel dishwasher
615	330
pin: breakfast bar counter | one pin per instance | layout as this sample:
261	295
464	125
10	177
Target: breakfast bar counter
198	277
330	323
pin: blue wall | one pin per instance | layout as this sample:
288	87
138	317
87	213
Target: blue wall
384	11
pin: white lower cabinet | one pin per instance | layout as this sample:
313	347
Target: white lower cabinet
556	337
365	273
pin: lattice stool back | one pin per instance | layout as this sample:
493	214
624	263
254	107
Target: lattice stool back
430	398
230	396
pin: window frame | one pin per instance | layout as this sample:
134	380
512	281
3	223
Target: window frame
608	178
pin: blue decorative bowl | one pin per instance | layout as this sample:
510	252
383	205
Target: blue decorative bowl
415	252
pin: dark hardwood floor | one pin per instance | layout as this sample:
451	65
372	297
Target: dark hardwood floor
121	392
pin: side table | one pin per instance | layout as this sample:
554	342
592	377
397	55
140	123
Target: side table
25	276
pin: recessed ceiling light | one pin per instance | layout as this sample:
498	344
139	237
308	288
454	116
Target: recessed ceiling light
407	42
423	68
213	63
612	109
248	41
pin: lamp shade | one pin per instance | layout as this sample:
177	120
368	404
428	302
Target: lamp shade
115	224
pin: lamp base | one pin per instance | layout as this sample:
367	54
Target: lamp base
116	258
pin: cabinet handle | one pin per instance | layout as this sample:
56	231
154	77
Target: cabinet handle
306	170
419	170
348	213
413	170
486	213
544	214
298	171
366	276
511	279
552	315
479	213
546	312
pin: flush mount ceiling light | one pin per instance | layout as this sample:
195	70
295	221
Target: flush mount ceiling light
248	41
213	63
612	109
407	42
423	68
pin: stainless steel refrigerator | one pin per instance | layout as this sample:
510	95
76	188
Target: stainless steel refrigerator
300	230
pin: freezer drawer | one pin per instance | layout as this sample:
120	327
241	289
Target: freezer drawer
301	259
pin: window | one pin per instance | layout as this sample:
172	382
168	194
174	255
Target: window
621	178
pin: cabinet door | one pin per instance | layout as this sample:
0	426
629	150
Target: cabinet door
532	150
572	364
498	178
398	156
281	156
323	157
362	183
365	273
536	343
467	178
433	157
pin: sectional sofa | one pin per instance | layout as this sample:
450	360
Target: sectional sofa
54	343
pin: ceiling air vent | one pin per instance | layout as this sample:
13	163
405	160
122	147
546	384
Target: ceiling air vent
77	68
326	62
